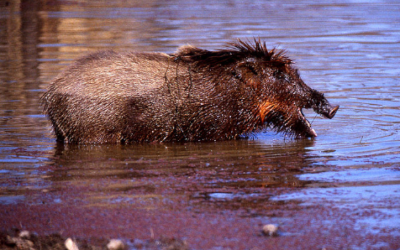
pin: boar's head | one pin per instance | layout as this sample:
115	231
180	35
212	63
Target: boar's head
270	87
281	95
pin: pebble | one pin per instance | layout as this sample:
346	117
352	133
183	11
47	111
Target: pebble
70	244
270	229
19	242
24	234
115	245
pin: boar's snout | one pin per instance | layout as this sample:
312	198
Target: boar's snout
328	111
322	106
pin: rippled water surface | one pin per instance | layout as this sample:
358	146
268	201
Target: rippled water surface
350	50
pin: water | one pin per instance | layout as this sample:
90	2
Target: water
350	50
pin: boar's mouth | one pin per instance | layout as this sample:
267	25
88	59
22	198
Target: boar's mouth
327	112
308	131
291	119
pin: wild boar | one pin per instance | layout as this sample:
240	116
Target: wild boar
191	95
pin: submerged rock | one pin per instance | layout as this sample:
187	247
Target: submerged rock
270	230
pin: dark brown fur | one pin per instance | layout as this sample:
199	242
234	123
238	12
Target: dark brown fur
192	95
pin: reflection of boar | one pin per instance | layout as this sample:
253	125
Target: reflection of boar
192	95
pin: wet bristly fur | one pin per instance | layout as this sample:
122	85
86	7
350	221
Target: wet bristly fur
191	95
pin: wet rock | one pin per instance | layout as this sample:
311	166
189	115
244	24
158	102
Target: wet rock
25	234
270	230
19	243
70	244
115	245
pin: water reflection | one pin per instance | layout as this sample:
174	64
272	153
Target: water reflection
222	162
153	176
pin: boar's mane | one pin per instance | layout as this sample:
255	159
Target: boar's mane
234	52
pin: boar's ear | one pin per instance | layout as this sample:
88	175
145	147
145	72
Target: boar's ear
247	73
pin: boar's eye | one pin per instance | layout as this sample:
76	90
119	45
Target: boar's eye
281	76
252	69
278	75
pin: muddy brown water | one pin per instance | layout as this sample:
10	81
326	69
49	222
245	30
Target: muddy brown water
340	190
